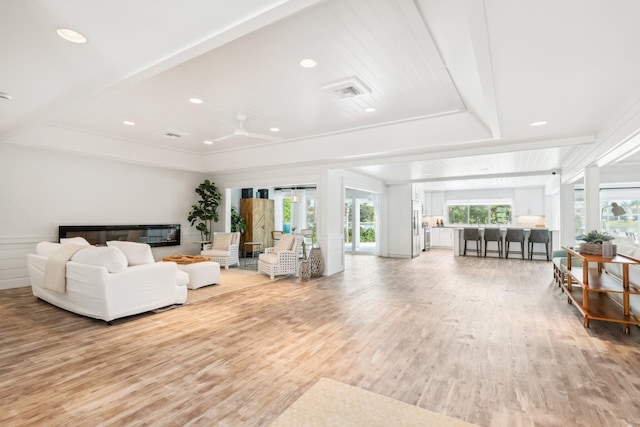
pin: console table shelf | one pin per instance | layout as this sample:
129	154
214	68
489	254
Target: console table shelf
598	295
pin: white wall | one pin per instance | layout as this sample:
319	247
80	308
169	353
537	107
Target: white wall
399	208
42	189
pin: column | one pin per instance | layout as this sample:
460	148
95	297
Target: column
592	197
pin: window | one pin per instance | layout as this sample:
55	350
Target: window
498	213
629	200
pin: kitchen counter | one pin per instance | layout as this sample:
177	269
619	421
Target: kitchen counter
458	238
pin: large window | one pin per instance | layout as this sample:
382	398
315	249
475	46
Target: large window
498	213
629	200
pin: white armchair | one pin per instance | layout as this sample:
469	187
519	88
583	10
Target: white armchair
225	249
282	258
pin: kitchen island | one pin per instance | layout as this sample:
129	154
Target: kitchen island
458	240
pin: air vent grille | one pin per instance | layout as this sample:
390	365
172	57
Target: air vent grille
172	133
349	88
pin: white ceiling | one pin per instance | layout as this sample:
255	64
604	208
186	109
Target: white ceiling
456	84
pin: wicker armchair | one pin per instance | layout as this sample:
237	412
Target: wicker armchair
282	258
225	249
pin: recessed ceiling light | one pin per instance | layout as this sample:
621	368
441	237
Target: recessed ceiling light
208	142
195	100
5	96
129	123
540	123
484	169
71	35
308	63
370	109
274	129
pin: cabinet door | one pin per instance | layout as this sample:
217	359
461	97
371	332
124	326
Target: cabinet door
435	237
437	204
529	201
446	238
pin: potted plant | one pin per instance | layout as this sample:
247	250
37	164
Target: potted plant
205	212
593	241
237	221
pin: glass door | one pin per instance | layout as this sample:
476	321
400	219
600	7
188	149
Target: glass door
359	222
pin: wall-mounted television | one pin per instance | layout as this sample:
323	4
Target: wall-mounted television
154	234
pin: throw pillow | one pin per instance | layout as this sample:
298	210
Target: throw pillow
221	241
136	253
74	240
47	248
285	243
111	258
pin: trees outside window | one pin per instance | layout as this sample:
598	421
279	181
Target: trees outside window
473	213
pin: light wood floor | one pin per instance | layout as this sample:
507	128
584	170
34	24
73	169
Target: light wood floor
491	342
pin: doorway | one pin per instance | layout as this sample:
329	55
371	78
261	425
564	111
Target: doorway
360	222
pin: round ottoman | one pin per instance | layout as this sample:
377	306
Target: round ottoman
201	273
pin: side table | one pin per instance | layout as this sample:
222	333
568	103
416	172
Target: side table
255	247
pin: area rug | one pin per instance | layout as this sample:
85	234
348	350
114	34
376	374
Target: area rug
331	403
231	280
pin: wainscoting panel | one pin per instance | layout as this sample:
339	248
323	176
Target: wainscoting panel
13	259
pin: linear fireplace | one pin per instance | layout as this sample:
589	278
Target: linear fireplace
154	235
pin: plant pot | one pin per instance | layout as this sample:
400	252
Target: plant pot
590	249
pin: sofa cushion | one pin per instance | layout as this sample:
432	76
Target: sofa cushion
47	248
221	241
75	241
215	252
268	258
136	253
285	243
111	258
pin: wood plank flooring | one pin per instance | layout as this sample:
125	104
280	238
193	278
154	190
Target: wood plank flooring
489	341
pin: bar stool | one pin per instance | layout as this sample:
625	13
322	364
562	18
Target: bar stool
471	234
514	235
539	236
492	235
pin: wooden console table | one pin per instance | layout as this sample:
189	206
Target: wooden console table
592	291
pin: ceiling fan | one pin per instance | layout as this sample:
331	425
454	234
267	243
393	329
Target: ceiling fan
241	131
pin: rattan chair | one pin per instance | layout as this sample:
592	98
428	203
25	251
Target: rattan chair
282	258
225	249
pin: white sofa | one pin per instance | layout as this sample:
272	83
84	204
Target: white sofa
104	283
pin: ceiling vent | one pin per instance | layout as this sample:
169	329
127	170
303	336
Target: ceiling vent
350	88
173	134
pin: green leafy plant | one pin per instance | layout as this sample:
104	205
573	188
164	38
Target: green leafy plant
237	221
596	236
205	212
